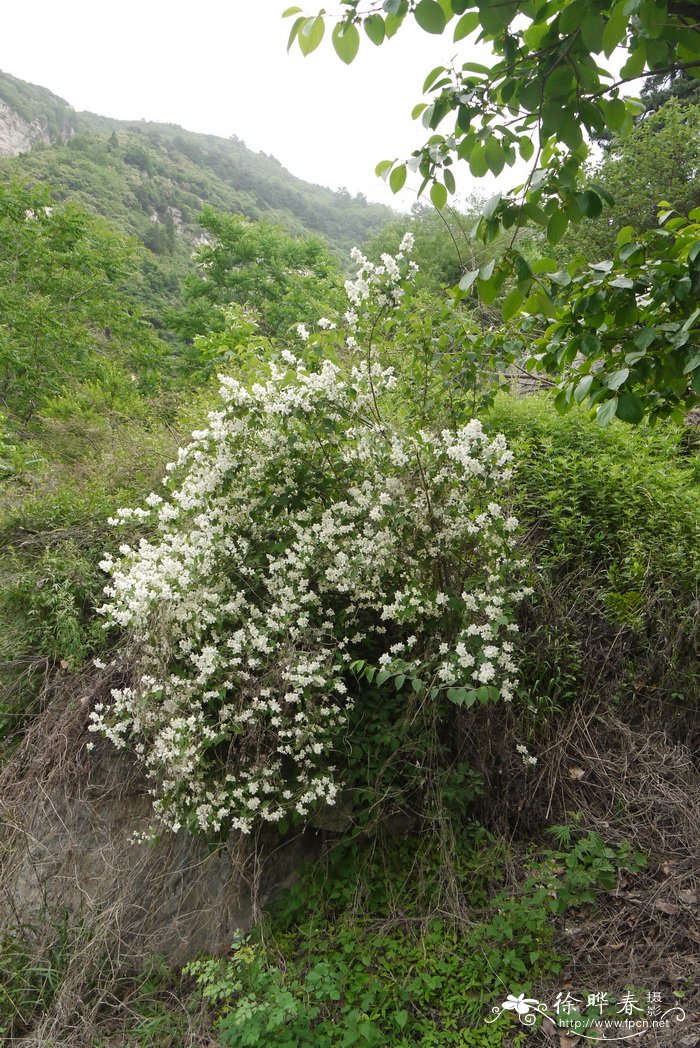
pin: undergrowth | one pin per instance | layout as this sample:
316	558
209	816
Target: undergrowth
419	918
614	530
393	940
365	950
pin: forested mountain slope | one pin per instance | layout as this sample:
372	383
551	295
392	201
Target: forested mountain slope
153	179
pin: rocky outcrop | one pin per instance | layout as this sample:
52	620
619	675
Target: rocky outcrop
18	135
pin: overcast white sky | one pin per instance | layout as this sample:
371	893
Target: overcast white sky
221	66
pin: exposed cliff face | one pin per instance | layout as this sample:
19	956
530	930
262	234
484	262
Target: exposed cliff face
18	135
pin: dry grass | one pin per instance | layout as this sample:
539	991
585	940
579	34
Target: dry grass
66	821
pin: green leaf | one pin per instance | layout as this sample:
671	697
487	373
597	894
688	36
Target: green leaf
606	411
544	265
495	157
392	25
590	344
562	402
486	271
374	27
571	17
627	251
488	291
346	41
635	63
630	408
590	203
382	167
466	25
615	380
468	279
430	16
616	115
495	17
570	132
432	76
535	34
457	695
592	31
692	362
582	388
438	195
294	31
511	304
535	213
477	161
615	28
401	1018
527	147
557	226
291	11
644	337
626	234
400	681
397	178
603	192
311	34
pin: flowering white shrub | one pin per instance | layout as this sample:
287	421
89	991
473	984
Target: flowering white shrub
377	287
304	545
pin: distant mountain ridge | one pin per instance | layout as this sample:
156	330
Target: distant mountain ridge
152	179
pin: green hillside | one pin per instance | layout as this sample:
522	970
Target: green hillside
129	171
152	181
350	606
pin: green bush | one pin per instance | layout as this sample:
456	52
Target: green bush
53	532
614	529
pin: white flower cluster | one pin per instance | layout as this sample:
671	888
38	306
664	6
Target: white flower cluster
377	284
297	537
527	758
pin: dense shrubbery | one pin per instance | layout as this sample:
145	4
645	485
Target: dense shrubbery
69	316
307	537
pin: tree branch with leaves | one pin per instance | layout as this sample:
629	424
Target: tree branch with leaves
553	78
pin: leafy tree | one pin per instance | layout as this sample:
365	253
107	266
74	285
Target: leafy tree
658	160
285	279
540	94
624	333
657	90
65	317
442	247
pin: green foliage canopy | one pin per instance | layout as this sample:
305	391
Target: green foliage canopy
547	87
285	279
65	317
